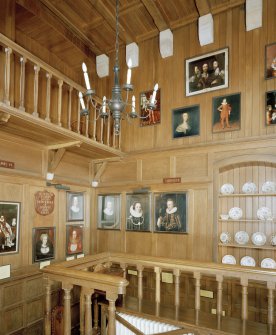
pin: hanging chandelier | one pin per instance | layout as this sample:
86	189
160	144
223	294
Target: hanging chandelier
115	107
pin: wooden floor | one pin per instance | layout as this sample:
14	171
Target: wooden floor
191	320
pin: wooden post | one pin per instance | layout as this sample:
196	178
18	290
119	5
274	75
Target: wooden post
157	271
23	61
111	297
88	310
101	137
103	320
78	118
123	266
60	83
140	269
219	279
270	302
36	69
176	273
244	311
82	311
67	309
94	122
108	132
86	125
48	96
197	277
96	312
47	314
8	52
70	107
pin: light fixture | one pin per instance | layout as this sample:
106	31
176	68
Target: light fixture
58	186
50	176
94	183
116	106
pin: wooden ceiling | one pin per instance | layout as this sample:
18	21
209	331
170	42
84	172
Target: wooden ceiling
75	30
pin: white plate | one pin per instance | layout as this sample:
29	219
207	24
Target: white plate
249	188
268	263
241	237
228	259
258	238
227	189
225	237
269	187
273	240
248	261
264	213
235	213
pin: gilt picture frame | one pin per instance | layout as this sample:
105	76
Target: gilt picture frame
207	72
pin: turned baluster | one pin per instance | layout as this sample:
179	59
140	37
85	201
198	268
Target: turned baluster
48	96
219	279
86	124
108	132
8	52
101	133
88	310
47	313
197	277
157	271
270	302
23	61
244	283
60	83
111	297
94	123
96	312
78	118
70	107
176	273
140	269
82	311
67	308
36	69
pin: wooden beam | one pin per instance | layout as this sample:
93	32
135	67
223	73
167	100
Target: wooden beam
156	15
110	19
64	145
203	7
45	11
56	160
100	171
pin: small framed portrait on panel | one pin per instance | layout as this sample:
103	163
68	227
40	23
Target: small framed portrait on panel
270	108
75	206
185	121
270	61
138	209
170	212
9	227
43	244
109	211
150	116
74	239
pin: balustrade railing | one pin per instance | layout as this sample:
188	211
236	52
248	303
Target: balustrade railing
93	273
31	86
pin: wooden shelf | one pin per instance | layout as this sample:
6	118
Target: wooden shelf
247	220
247	246
247	195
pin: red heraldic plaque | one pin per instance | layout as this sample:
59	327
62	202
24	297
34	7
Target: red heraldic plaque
44	202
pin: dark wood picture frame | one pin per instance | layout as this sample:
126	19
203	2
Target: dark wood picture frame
74	239
207	72
109	211
43	244
186	121
138	212
171	212
9	227
150	117
75	206
270	108
270	61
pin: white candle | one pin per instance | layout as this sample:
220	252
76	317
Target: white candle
86	78
81	100
129	64
104	105
154	94
133	104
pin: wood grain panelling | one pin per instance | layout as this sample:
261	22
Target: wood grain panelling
13	294
13	319
136	245
122	171
191	167
155	169
35	310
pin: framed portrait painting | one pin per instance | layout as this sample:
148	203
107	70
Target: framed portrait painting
43	244
9	227
170	212
226	113
270	108
270	61
138	209
75	206
150	117
74	239
185	121
109	211
207	72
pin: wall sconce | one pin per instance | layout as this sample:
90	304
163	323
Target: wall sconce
94	183
58	186
50	176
